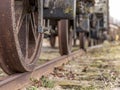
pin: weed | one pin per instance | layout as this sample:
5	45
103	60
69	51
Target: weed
32	88
45	82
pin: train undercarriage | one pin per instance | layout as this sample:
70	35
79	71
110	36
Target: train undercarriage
24	23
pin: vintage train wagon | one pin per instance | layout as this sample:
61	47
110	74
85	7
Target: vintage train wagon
86	19
24	22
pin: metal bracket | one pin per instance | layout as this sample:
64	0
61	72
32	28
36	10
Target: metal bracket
40	16
40	29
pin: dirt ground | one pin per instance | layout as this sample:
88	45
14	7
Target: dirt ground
98	69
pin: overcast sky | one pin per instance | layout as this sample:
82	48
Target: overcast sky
115	9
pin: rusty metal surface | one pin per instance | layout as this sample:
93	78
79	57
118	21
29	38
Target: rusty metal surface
20	42
19	81
65	37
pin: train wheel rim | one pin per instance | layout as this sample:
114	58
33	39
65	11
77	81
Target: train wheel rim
52	41
24	45
65	37
90	42
84	43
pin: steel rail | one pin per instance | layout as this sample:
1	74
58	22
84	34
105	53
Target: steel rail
18	81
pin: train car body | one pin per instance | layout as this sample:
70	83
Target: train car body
58	9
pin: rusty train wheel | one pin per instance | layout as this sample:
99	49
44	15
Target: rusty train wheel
20	42
53	35
90	42
52	41
65	37
83	41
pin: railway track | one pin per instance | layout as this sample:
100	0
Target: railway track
18	81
